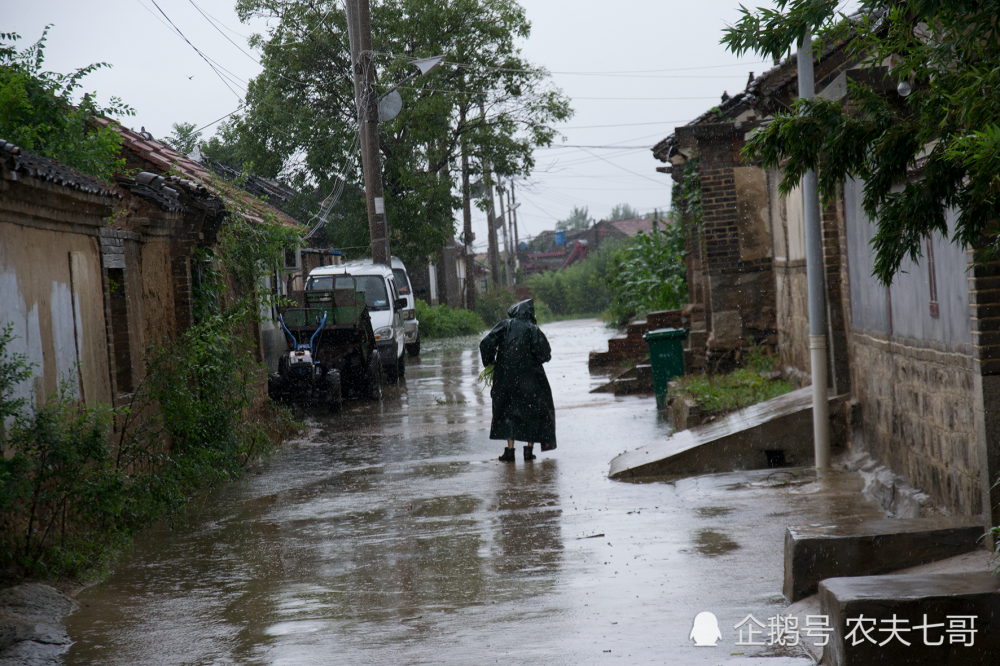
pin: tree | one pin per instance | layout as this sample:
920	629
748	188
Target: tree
184	138
578	219
948	53
300	120
38	111
623	212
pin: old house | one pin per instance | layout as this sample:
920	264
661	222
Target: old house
93	274
917	358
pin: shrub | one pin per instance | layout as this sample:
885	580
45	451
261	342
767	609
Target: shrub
580	289
70	493
492	304
38	112
441	321
721	394
648	274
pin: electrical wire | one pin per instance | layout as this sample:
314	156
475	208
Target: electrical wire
205	58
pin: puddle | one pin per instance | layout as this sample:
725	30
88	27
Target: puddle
713	544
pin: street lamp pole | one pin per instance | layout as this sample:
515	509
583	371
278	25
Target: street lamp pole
815	278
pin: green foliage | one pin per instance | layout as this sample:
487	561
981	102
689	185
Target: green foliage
492	304
578	219
441	321
623	212
950	54
184	139
580	289
300	119
720	394
37	111
648	274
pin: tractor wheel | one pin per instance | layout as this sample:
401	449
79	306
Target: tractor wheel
374	379
336	394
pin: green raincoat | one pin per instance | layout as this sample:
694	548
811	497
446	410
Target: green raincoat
522	400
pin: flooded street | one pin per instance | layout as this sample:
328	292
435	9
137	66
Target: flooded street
390	534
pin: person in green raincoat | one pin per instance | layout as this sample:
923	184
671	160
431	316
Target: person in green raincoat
522	400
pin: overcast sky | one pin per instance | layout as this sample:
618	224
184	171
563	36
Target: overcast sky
634	69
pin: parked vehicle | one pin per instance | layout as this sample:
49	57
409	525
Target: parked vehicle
384	305
332	346
410	323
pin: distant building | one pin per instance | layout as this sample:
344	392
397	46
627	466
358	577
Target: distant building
555	250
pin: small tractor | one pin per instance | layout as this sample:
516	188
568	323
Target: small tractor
331	348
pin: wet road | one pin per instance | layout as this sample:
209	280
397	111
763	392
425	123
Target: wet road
391	535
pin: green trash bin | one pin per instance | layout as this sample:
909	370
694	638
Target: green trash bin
666	356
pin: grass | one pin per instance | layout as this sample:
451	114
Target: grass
441	321
716	395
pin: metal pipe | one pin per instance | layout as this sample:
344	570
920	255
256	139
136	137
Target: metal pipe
815	277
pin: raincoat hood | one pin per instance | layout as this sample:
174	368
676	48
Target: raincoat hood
523	310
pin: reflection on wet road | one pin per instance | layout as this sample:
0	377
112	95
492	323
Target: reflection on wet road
391	535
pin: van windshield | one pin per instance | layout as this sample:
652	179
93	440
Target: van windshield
402	283
373	287
328	283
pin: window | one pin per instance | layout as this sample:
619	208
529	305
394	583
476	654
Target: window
402	282
373	287
332	282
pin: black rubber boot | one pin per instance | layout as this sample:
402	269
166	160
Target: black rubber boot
508	455
528	455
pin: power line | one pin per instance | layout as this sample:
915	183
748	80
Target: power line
203	56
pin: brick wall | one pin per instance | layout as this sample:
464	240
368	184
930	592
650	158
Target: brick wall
737	255
918	417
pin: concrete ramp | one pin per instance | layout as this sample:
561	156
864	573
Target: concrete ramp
769	434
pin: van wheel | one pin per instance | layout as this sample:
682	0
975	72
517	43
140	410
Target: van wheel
401	367
413	349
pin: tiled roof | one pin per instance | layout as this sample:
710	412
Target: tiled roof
633	226
49	170
169	160
760	92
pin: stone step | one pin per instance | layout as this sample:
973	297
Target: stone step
664	319
954	601
636	329
816	552
697	339
627	346
778	431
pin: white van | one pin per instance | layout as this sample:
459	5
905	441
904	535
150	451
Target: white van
410	322
385	306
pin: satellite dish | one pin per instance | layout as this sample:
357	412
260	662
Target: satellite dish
389	106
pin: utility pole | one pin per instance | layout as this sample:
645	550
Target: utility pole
494	252
814	277
506	242
513	209
359	23
470	252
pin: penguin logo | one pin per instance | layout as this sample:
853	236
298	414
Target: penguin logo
705	631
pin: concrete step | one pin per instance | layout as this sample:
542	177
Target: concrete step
816	552
954	602
751	438
627	386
